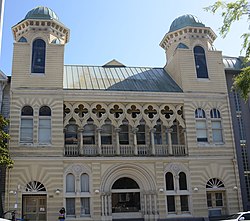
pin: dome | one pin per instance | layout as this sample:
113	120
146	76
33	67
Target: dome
184	21
41	12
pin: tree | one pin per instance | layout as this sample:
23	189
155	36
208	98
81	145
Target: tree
5	159
231	12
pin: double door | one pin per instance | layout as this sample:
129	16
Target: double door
35	207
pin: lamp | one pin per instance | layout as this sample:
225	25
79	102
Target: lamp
235	188
161	190
57	191
196	189
97	191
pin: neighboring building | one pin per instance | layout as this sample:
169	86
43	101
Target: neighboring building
115	142
4	110
240	111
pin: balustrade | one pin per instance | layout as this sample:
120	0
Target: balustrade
71	150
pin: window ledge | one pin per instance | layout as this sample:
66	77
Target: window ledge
203	79
34	145
37	74
201	144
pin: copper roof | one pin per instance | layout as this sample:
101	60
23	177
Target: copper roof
112	78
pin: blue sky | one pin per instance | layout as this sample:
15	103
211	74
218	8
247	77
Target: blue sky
126	30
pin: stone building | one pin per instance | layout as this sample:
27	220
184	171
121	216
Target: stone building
240	111
115	142
4	110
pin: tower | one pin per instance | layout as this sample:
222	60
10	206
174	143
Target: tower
191	58
39	50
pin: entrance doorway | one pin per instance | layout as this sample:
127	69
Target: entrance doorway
35	207
125	196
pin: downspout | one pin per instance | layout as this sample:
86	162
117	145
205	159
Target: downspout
234	160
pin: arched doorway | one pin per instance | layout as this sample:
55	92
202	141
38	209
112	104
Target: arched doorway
34	202
216	197
128	191
125	196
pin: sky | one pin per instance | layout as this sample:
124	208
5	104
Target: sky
126	30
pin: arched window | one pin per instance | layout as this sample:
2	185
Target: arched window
158	133
169	181
124	133
35	186
216	125
38	56
177	192
125	183
106	135
84	182
89	133
70	135
44	132
140	135
200	62
85	200
26	128
70	183
74	195
182	181
201	125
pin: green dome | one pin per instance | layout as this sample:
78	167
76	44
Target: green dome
184	21
41	12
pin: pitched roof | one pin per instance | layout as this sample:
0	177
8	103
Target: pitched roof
118	78
3	77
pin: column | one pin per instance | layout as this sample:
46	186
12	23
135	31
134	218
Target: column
134	131
65	146
150	203
152	131
109	204
170	148
145	204
117	131
184	131
106	204
80	138
103	204
155	204
99	141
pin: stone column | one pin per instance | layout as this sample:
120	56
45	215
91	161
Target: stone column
64	143
150	203
103	204
109	204
170	148
134	131
184	131
117	131
99	141
152	131
80	140
145	204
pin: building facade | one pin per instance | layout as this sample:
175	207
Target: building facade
240	111
115	142
4	110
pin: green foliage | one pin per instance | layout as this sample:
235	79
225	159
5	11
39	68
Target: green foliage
4	137
231	12
242	83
